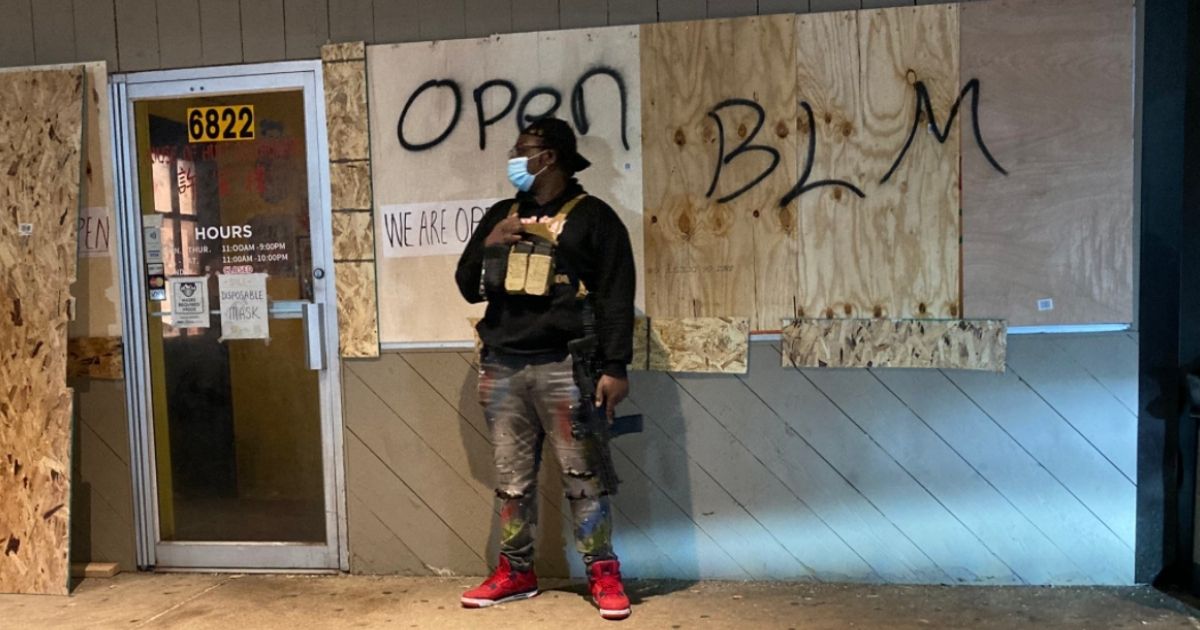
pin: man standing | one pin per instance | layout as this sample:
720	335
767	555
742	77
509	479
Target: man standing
555	266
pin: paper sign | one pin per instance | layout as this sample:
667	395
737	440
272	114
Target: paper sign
152	237
243	299
436	228
189	302
94	232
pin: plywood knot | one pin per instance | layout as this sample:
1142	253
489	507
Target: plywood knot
785	219
742	131
12	546
684	224
837	193
756	214
922	308
848	309
829	313
654	218
911	76
781	129
878	311
17	319
680	138
847	129
953	310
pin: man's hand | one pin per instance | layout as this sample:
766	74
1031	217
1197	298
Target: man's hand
610	391
505	233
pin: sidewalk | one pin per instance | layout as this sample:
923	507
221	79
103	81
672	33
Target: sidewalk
251	602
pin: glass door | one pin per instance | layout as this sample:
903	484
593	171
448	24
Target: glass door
228	272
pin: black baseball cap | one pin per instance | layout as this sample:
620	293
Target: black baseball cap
557	134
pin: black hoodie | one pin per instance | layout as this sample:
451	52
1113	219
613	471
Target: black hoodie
594	247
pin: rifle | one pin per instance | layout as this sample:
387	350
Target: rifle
592	421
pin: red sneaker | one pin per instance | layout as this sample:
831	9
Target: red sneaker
504	585
604	578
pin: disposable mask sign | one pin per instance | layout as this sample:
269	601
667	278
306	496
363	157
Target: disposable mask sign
243	300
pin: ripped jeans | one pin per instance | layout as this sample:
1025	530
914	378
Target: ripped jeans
524	400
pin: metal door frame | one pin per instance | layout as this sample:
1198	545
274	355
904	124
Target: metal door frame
152	552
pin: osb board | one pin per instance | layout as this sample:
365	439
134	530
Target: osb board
41	137
912	343
893	253
419	299
705	256
346	109
348	51
699	344
353	238
96	357
357	325
1056	109
347	127
350	184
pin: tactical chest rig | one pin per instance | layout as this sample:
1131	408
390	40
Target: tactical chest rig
532	264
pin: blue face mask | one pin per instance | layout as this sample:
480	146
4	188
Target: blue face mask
519	175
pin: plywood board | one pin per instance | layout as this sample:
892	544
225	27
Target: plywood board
709	250
420	302
97	291
889	249
96	357
41	138
878	343
699	344
358	329
1056	110
838	265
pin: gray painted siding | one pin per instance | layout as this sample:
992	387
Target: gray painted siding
135	35
910	476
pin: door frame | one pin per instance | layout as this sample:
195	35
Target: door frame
255	556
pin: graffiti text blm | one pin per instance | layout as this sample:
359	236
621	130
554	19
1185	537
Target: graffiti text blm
923	110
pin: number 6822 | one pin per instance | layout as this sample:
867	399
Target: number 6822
221	123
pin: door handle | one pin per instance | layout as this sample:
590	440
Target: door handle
314	335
